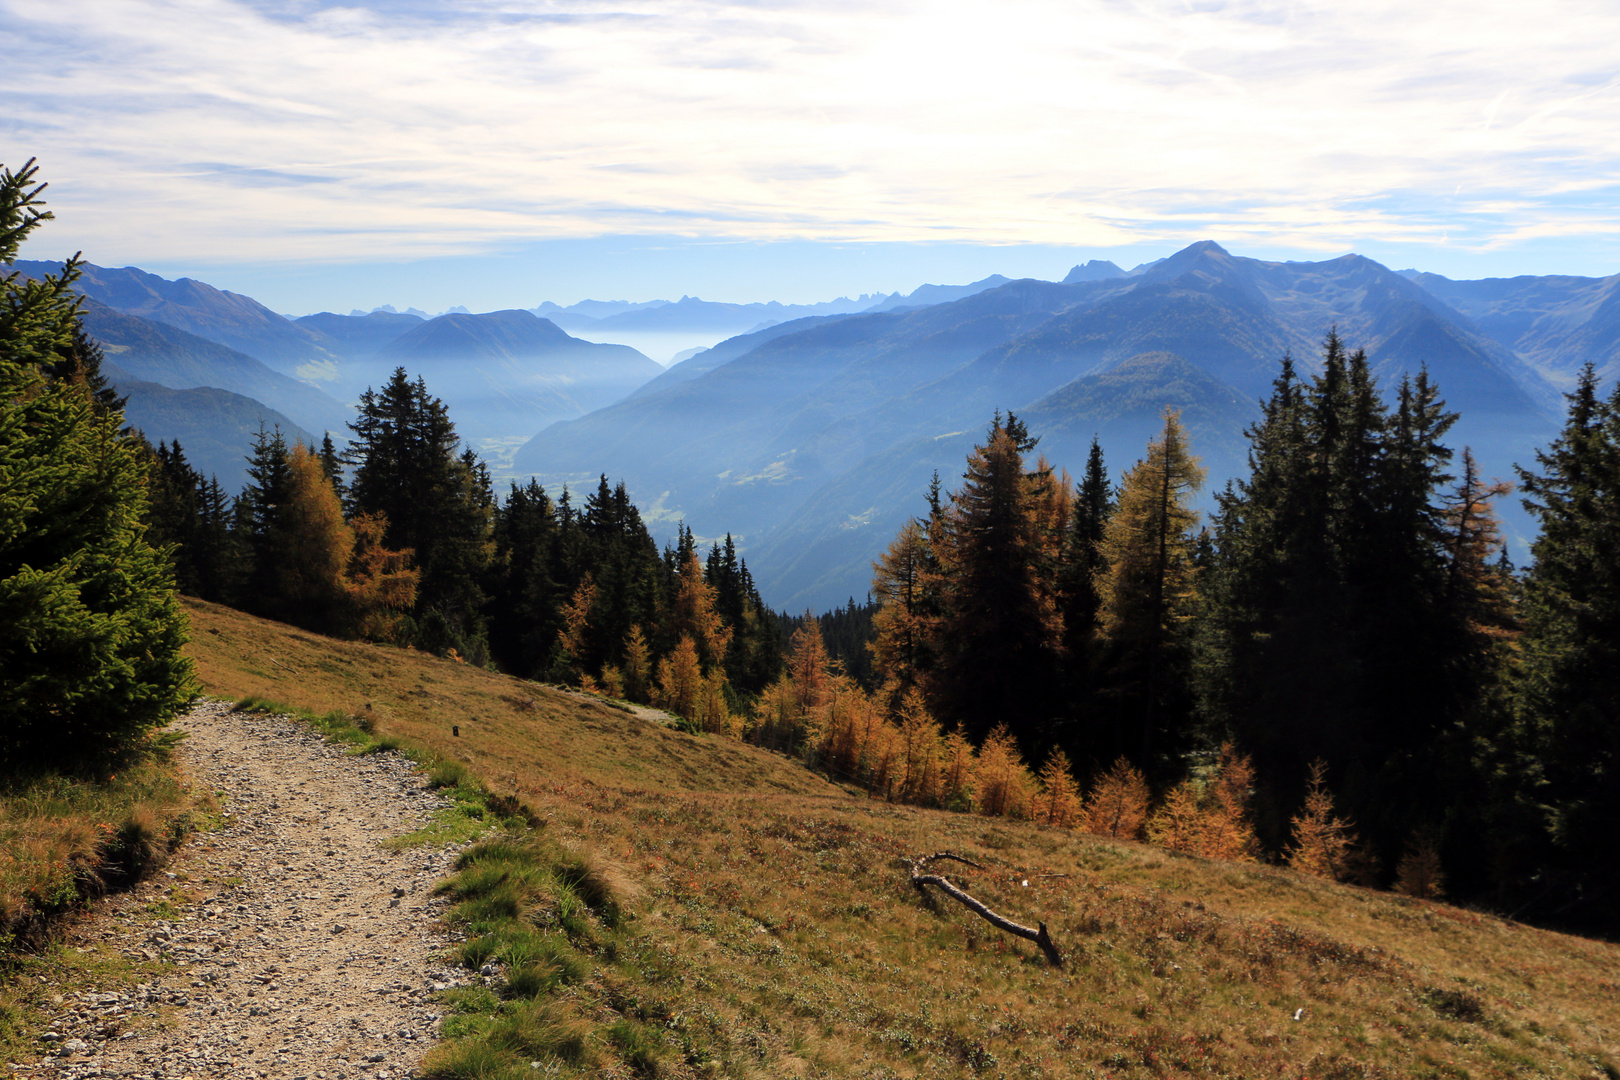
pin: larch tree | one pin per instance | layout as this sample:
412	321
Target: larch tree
309	547
1117	804
904	585
1323	842
1060	800
1148	595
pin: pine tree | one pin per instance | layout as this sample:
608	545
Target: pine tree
174	518
255	512
1148	593
90	629
332	464
529	571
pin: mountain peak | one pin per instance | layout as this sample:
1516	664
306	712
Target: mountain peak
1093	270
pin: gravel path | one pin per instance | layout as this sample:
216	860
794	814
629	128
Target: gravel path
303	949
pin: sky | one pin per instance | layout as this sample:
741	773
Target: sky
497	153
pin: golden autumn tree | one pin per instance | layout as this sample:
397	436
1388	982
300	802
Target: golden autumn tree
1178	823
1117	804
312	545
694	613
680	681
1419	872
1148	591
958	772
905	626
638	670
573	638
381	582
920	749
1323	843
787	713
1060	796
1478	586
1229	810
1005	786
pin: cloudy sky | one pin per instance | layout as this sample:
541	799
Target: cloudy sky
499	152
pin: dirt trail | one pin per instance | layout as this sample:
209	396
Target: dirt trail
300	947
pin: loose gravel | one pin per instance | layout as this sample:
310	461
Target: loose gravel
303	949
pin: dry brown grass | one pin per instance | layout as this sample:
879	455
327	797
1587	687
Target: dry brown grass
775	932
63	838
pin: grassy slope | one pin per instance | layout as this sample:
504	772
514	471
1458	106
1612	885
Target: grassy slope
775	931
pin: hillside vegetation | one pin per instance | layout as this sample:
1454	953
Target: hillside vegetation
771	928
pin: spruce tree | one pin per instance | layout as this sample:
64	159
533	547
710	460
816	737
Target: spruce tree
1567	685
1329	630
90	629
410	467
1000	640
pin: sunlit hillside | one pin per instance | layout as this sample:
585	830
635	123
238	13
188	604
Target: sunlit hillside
774	929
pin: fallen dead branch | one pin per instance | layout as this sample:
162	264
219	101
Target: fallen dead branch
921	879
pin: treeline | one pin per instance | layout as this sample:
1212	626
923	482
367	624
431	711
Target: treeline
400	538
1347	618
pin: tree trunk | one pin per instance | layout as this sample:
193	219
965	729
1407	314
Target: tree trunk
920	879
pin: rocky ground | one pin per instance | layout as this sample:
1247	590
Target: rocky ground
296	946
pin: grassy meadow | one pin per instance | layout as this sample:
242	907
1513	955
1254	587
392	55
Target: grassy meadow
749	918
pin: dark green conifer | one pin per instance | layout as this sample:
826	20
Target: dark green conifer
90	630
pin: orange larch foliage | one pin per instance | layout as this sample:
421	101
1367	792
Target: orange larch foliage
1118	803
1178	823
1060	796
920	743
694	613
1418	873
1005	788
1228	816
576	621
382	584
958	772
680	681
637	666
1323	843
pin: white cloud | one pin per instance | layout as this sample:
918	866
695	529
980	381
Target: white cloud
174	129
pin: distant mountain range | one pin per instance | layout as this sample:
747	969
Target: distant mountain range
813	440
811	432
